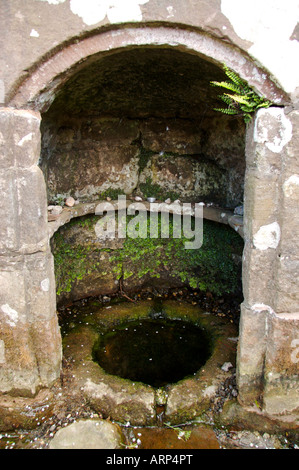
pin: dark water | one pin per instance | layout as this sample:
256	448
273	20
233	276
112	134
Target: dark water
155	352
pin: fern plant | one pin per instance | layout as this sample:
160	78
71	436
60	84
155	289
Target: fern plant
240	99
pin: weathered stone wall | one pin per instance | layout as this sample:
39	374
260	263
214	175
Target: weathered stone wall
88	264
271	39
262	48
268	362
93	157
27	298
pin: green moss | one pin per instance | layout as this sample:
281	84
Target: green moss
71	263
210	267
112	193
150	189
144	157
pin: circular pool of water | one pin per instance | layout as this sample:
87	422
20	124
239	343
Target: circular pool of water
156	352
129	360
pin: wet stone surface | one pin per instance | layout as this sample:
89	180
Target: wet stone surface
187	393
211	429
187	437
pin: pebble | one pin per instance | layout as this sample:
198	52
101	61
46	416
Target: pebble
70	201
226	366
138	198
56	210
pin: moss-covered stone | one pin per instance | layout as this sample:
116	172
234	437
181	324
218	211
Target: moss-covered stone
87	266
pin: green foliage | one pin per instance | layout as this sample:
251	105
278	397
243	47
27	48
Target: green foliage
70	263
210	267
112	193
144	157
240	99
182	433
58	200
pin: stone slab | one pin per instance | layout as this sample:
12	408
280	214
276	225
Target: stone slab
88	434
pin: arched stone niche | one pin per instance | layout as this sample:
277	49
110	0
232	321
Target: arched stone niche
268	342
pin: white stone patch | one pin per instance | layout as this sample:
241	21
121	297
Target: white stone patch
170	12
91	11
268	236
45	284
34	34
117	11
53	2
12	315
2	352
291	186
120	11
262	132
26	138
268	24
262	307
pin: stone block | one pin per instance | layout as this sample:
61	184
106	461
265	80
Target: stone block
260	202
287	288
18	368
251	354
265	140
88	172
40	286
281	389
46	343
185	178
32	210
19	138
9	227
88	434
111	131
23	211
13	291
174	135
30	338
258	275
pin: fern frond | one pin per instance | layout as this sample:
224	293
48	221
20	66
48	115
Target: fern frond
230	111
226	99
228	86
239	99
236	79
243	100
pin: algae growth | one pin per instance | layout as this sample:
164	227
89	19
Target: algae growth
211	267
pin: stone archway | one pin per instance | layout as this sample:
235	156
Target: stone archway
270	309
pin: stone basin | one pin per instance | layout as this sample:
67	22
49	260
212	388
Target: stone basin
137	403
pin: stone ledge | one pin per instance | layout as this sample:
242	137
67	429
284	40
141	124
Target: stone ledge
215	214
